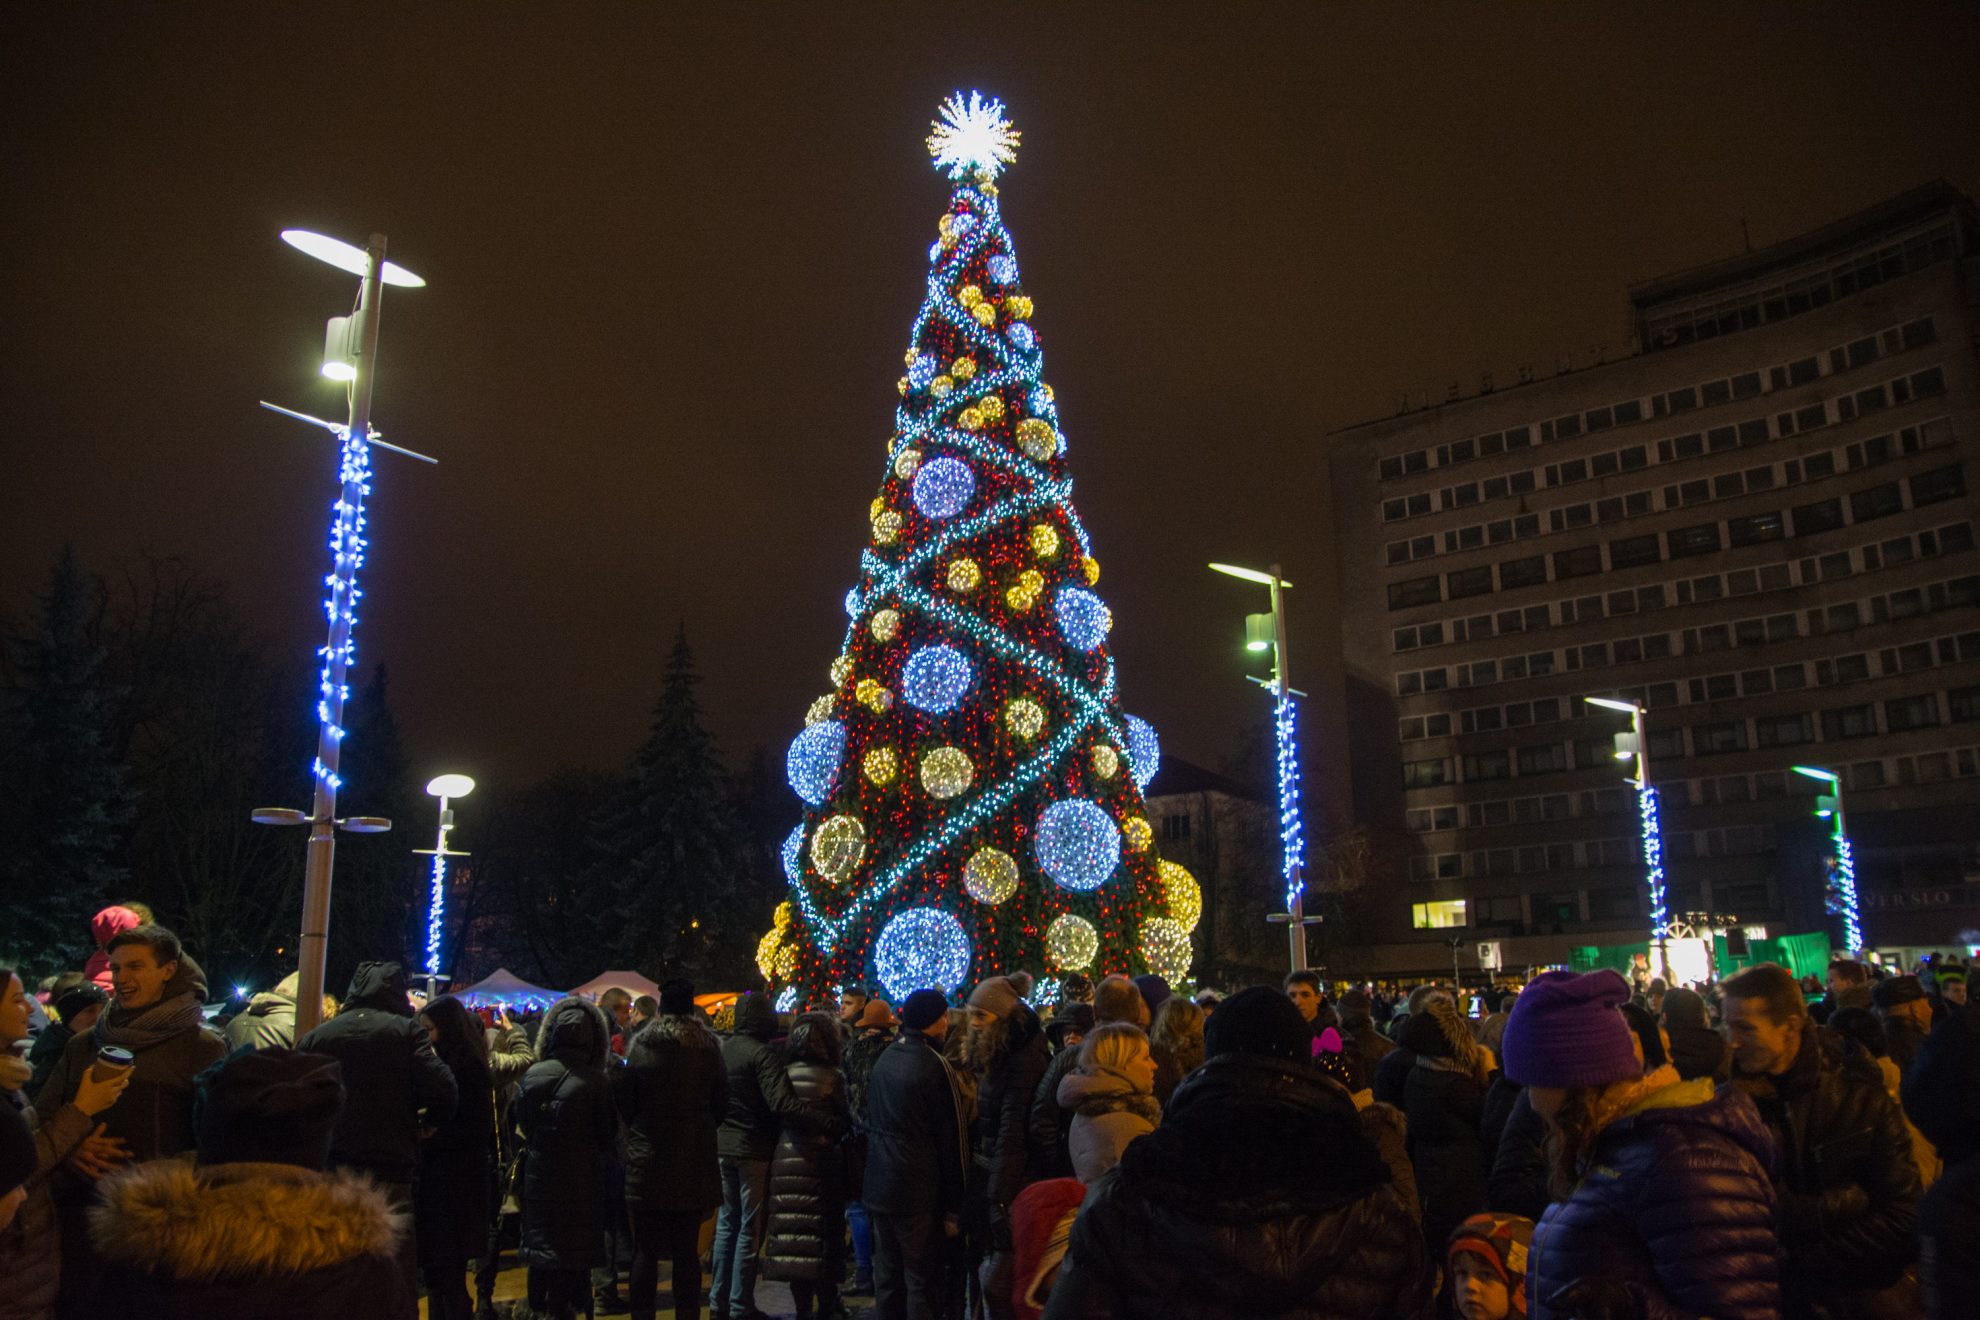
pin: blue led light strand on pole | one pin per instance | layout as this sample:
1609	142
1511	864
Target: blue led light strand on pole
347	547
436	913
1840	900
446	788
1653	869
1292	831
1846	886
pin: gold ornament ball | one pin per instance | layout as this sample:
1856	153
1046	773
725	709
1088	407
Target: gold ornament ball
940	387
766	952
1106	761
880	765
841	670
1138	832
985	314
837	847
991	406
786	962
874	695
963	368
946	772
970	419
907	463
964	575
1024	717
1182	894
902	386
1071	942
884	625
1044	540
1019	306
969	295
782	917
1037	439
1091	567
820	709
910	356
1165	944
887	528
948	219
990	876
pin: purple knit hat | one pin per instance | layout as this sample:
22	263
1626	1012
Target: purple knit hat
1566	1030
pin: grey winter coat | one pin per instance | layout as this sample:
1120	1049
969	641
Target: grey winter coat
1108	1113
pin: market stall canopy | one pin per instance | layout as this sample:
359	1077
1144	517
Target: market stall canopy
631	982
505	988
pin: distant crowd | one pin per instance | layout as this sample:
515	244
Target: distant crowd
1573	1148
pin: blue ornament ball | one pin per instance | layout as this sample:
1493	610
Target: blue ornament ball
812	764
936	679
793	850
922	370
919	949
942	487
1020	334
1083	618
1003	269
1078	844
1144	750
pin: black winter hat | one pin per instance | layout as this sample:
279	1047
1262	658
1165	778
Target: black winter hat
1897	990
922	1008
271	1106
78	999
677	998
1258	1021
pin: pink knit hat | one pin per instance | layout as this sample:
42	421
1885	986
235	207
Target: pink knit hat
1568	1030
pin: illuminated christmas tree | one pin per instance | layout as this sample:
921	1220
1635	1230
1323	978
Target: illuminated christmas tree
972	789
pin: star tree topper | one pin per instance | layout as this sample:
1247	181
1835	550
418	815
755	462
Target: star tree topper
972	137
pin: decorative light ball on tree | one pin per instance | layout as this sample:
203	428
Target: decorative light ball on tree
793	854
907	463
1037	439
1144	750
812	764
874	695
1078	844
990	876
921	948
942	487
837	848
1083	617
1024	717
884	625
881	765
1071	943
1106	761
1182	894
1165	946
947	772
964	575
1138	833
820	710
936	679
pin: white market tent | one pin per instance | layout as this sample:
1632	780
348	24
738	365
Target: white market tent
503	987
631	982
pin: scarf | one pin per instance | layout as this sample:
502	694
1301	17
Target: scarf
137	1030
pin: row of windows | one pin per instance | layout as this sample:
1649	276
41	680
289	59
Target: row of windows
1747	385
1924	384
1589	854
1865	505
1686	494
1906	602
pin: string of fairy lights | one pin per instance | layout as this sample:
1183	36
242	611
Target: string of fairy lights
347	546
972	789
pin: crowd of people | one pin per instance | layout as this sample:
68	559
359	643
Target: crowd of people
1575	1148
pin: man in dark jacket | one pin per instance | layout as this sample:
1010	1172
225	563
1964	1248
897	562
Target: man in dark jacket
760	1098
77	1006
1907	1017
1848	1185
1115	999
1006	1052
269	1018
1942	1097
1358	1025
672	1094
393	1083
915	1161
1696	1049
1259	1195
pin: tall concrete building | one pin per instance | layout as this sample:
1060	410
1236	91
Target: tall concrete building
1758	527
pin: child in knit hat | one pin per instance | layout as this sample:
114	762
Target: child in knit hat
1487	1262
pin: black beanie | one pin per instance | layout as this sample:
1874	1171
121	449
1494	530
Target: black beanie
272	1106
1262	1021
677	998
922	1008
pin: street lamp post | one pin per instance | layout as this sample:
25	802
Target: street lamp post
1633	746
351	356
1830	806
1262	632
445	787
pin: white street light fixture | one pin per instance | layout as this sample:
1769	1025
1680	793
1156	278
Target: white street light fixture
1829	807
444	787
348	257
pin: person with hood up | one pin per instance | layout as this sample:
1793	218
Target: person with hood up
672	1094
1005	1051
1257	1199
569	1128
1487	1257
1663	1204
256	1227
105	926
808	1189
760	1099
1115	999
394	1084
456	1163
1444	1100
1111	1096
1847	1182
269	1018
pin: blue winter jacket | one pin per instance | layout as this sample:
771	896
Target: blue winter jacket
1676	1200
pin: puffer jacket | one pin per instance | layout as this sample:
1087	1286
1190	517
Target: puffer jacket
1257	1197
31	1246
808	1180
760	1095
269	1020
246	1242
1048	1135
862	1052
1674	1200
1848	1186
672	1093
1445	1110
1108	1113
1000	1165
564	1108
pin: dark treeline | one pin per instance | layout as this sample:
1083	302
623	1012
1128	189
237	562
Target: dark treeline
142	719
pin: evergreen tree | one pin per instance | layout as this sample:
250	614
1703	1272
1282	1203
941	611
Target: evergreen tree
68	799
668	844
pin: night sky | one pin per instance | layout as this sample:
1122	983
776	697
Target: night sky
673	253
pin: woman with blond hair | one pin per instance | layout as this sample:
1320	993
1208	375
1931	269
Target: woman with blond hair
1112	1096
1176	1041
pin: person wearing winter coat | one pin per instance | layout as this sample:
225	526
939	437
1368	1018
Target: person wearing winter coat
873	1032
30	1233
760	1099
268	1019
256	1228
1854	1024
1112	1098
105	926
77	1006
1848	1186
1041	1228
672	1094
510	1055
1005	1051
394	1085
1257	1197
456	1163
1663	1204
1384	1125
156	1016
1696	1049
1901	1005
1115	999
917	1158
1176	1042
1942	1096
1444	1100
808	1175
569	1127
1517	1183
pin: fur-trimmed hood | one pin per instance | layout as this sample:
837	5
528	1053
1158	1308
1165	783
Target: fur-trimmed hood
240	1221
575	1031
682	1031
